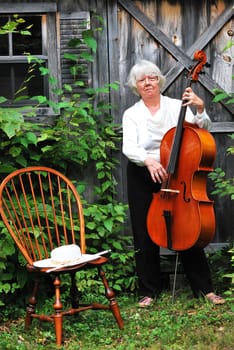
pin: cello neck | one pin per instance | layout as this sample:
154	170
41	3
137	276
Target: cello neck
200	57
176	142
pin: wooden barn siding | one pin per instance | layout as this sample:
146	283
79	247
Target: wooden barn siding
189	28
168	33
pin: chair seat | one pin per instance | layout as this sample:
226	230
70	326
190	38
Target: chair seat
66	269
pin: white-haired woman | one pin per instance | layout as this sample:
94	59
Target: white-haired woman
144	125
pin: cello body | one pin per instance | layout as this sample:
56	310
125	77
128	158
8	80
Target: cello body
181	215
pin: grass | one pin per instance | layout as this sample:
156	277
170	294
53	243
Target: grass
186	324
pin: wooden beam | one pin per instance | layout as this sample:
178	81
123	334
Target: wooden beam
210	248
25	7
222	127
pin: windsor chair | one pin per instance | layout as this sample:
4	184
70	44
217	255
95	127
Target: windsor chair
42	210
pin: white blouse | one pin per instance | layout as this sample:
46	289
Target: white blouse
142	132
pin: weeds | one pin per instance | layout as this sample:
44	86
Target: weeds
186	324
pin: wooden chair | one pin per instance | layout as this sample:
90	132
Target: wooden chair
42	210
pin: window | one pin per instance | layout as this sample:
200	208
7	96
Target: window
50	35
14	47
14	68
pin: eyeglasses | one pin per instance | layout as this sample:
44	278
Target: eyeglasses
148	78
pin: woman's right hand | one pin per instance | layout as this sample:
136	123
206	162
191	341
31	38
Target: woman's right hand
156	170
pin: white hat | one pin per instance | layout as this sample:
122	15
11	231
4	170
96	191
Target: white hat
66	255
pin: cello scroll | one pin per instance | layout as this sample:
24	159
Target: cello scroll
196	69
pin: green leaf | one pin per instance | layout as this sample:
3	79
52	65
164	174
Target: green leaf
229	44
68	87
87	56
44	70
6	169
25	32
2	99
47	148
6	287
117	245
32	138
22	161
89	39
108	223
71	56
75	42
15	151
21	98
74	70
79	83
220	97
230	101
91	225
115	86
40	99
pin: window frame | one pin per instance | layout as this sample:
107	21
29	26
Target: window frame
49	14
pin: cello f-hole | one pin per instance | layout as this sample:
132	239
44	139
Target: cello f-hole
187	200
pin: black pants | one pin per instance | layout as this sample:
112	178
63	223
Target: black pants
140	190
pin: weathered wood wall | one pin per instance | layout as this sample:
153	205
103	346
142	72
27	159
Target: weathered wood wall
169	42
166	32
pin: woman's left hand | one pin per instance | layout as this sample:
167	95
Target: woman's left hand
191	99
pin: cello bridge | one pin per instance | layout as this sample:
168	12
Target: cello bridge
169	190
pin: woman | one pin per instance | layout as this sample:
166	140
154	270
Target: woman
144	125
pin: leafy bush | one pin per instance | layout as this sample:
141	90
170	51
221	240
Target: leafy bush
225	186
83	139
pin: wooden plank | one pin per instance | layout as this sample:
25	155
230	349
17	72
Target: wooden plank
39	7
113	48
19	59
223	127
210	248
81	15
100	64
53	61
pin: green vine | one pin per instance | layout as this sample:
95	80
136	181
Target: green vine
224	187
82	140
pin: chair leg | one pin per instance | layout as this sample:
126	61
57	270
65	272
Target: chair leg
110	295
32	303
58	317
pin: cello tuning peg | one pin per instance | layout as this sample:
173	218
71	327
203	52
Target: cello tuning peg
207	65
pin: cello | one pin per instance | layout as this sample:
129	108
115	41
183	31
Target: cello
181	215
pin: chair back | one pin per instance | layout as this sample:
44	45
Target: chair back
42	210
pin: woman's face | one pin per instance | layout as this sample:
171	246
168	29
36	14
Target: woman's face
147	86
